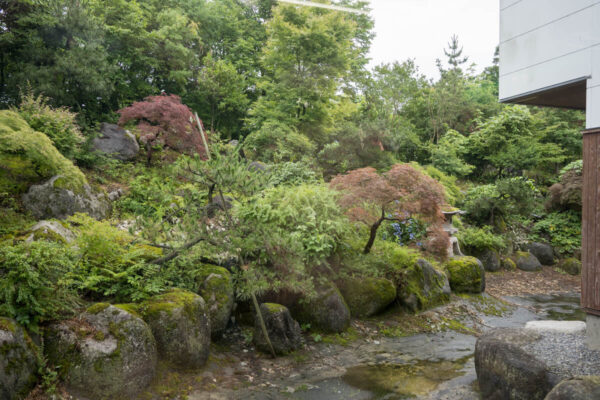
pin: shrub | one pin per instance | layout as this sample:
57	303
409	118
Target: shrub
562	230
34	283
567	193
112	265
290	231
507	197
56	123
276	142
292	174
475	240
164	121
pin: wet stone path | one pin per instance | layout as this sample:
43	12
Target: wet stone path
380	362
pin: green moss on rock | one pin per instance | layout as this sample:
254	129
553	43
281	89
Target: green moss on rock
571	266
215	285
18	361
116	358
508	264
422	286
466	275
98	307
181	325
367	296
29	157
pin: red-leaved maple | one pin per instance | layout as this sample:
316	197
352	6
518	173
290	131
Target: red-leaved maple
396	195
164	120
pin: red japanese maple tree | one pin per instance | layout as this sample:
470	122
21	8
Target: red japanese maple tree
396	195
164	120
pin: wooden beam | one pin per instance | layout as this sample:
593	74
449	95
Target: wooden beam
590	231
322	5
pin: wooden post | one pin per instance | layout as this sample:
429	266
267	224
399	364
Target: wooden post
201	129
590	230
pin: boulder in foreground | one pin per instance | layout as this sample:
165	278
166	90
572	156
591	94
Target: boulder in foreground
18	362
105	353
181	326
578	388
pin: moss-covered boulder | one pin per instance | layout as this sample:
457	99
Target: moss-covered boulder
18	363
526	261
367	296
216	288
490	259
284	333
422	286
28	157
466	275
52	199
571	266
507	264
106	353
325	310
180	323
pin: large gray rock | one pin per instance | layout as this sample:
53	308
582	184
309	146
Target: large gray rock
51	200
526	261
284	333
543	252
216	288
490	260
105	353
181	326
367	296
327	311
506	370
116	142
578	388
18	363
466	275
422	286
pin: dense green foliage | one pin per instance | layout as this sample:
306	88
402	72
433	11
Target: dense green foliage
34	282
322	144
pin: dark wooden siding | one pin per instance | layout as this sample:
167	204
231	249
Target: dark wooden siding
590	256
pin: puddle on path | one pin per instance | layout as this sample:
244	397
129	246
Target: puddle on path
403	381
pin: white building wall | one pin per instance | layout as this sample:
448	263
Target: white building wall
546	43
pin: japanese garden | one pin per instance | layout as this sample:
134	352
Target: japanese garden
223	199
